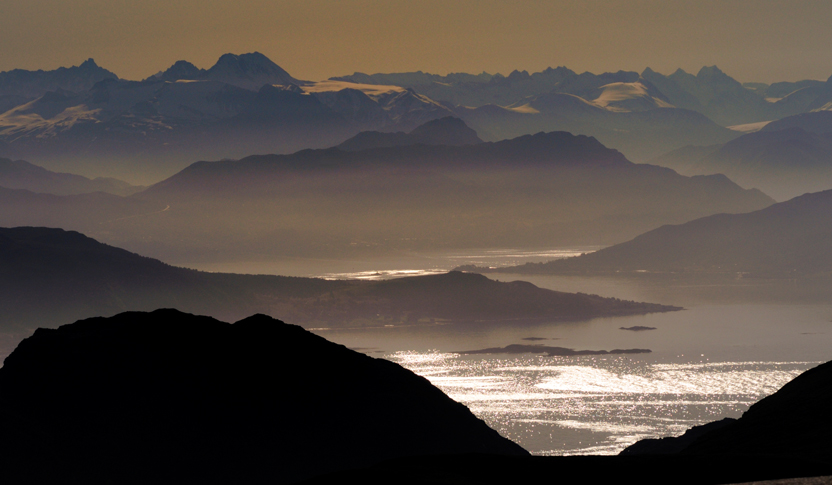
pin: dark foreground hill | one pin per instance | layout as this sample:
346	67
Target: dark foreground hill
51	276
168	397
788	239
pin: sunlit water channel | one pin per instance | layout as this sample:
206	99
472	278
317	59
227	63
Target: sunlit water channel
732	345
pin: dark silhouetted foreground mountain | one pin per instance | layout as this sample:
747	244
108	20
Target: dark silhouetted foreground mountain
793	421
24	175
444	131
50	276
168	397
787	239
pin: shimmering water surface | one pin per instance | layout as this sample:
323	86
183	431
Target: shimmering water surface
556	406
735	342
405	263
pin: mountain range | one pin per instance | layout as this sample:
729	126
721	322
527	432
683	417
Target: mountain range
150	129
534	190
789	239
783	158
85	120
19	174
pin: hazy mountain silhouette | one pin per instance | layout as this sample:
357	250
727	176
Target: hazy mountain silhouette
783	162
20	174
543	189
814	122
710	92
793	421
641	134
33	84
91	212
444	131
51	276
244	104
166	396
484	89
249	71
787	239
184	113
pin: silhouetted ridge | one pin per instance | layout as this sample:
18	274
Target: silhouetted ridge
449	131
20	174
32	84
50	276
785	239
166	396
181	70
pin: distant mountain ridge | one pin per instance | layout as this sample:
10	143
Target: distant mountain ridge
789	239
443	131
33	84
785	158
710	91
543	189
19	174
248	71
87	120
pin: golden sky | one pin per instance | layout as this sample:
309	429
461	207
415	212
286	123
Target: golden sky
752	40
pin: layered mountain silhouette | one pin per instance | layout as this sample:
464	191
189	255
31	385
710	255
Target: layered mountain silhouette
249	71
788	239
710	91
50	276
543	189
26	85
167	397
783	163
444	131
19	174
244	104
87	120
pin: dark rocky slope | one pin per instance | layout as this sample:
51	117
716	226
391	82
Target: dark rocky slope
168	397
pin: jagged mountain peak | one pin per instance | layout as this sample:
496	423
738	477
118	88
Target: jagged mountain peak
253	63
180	70
89	63
250	71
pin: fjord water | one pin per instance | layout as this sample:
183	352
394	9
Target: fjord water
735	342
